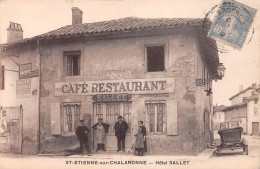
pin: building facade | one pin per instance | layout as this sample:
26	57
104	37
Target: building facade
142	69
244	109
218	117
253	108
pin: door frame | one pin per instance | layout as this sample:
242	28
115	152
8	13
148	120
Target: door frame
94	119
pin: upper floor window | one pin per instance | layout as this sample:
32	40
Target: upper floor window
255	101
2	81
155	58
71	60
255	112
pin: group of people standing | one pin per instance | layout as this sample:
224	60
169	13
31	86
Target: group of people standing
101	129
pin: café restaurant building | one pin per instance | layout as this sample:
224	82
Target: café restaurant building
140	68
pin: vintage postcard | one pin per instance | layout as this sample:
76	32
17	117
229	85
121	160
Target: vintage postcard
129	84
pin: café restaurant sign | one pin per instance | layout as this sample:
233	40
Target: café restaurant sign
25	71
131	86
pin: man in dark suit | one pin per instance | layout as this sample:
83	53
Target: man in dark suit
82	134
120	132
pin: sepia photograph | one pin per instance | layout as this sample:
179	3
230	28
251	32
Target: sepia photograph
129	84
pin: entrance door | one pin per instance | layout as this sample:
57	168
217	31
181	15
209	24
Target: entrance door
255	128
109	112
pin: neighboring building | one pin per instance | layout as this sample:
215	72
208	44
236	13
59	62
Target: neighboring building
244	109
218	116
253	112
237	113
143	69
19	98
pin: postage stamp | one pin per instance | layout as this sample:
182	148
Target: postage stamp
232	23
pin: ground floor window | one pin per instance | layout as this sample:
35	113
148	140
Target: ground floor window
110	111
71	117
156	116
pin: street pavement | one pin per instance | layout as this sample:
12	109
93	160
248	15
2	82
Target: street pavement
227	160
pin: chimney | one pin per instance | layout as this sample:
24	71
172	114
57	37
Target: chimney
14	32
254	86
241	88
76	16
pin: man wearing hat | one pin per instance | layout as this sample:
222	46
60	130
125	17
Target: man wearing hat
82	134
120	132
101	130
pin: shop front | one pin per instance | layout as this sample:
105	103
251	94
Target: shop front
134	99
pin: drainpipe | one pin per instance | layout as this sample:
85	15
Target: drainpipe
39	87
247	116
21	127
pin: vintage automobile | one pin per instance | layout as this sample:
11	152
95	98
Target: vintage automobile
230	135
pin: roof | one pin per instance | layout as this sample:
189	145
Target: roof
243	91
218	108
123	24
134	24
254	97
258	89
234	106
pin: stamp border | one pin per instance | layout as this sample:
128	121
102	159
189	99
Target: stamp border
225	42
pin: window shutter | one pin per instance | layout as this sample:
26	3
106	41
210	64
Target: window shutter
55	119
2	78
172	117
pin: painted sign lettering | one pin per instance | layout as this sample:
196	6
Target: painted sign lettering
111	97
25	71
134	86
23	88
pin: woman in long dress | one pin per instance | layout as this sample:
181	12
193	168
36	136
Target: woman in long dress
140	143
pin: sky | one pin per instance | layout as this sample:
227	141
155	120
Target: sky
41	16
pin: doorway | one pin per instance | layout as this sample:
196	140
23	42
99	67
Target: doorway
11	129
109	112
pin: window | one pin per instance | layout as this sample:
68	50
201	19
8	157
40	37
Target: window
2	81
155	58
219	116
112	112
255	101
255	112
71	60
71	117
156	117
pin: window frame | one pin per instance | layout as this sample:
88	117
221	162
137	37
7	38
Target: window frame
63	117
146	57
64	62
155	132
